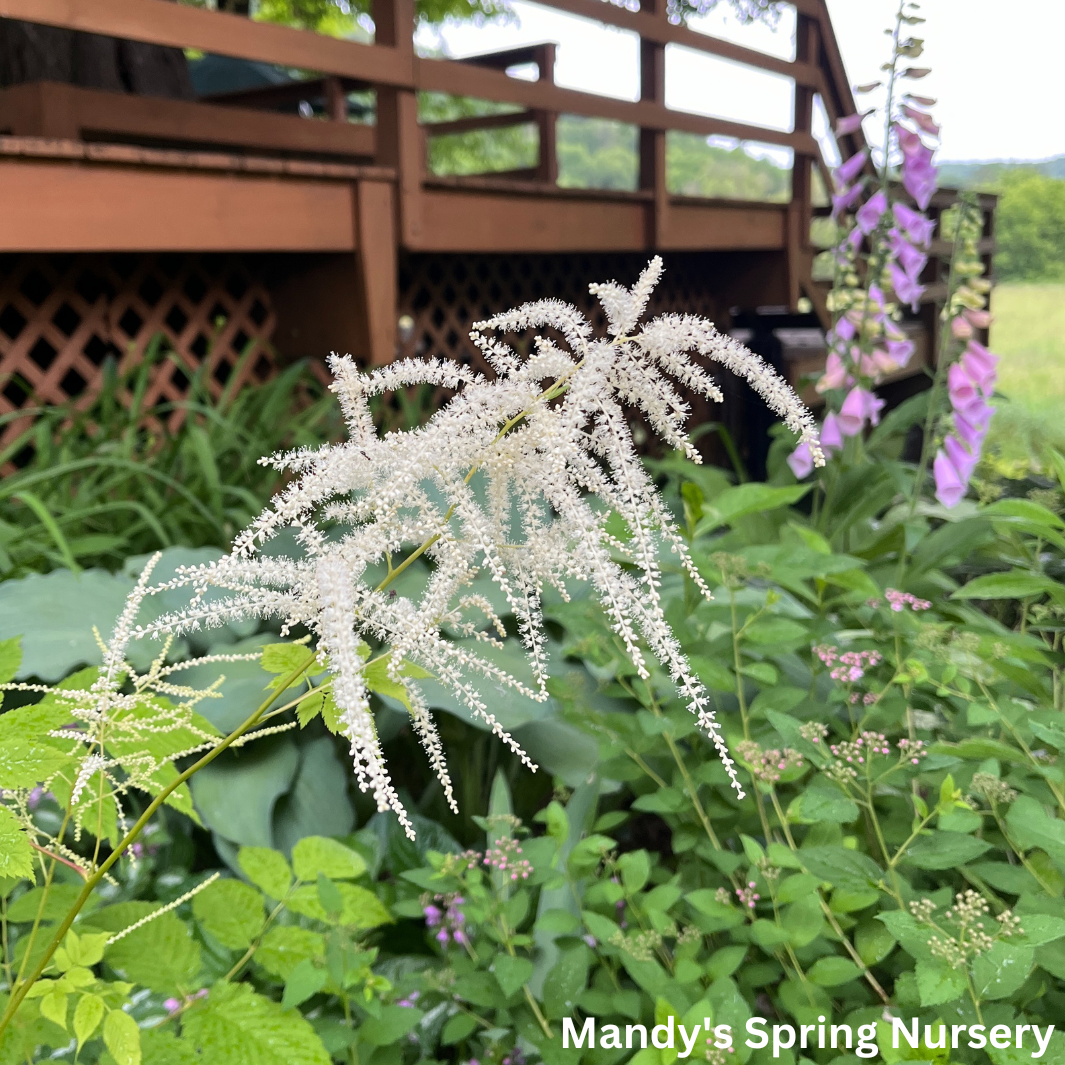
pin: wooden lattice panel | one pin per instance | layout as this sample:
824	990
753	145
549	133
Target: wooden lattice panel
445	294
62	316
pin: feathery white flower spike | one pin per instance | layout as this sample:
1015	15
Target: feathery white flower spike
500	481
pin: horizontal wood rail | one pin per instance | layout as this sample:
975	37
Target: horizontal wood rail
478	122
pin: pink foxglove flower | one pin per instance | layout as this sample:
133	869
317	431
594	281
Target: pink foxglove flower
901	351
961	458
961	388
845	200
950	488
918	228
846	173
835	375
906	288
831	437
801	461
906	255
849	124
979	319
922	119
860	406
870	212
961	328
980	366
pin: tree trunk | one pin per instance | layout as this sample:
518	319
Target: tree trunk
29	52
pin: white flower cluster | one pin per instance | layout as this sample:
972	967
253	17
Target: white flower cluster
515	477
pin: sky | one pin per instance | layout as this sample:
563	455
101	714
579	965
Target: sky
999	80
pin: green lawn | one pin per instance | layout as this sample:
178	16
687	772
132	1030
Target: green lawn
1029	333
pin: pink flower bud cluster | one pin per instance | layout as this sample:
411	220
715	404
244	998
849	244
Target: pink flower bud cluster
848	666
448	920
912	750
748	896
970	384
769	765
506	857
898	601
867	745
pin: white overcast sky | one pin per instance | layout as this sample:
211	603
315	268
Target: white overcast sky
998	69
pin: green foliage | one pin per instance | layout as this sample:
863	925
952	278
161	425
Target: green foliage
1030	227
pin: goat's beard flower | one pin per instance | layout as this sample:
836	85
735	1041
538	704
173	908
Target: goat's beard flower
514	477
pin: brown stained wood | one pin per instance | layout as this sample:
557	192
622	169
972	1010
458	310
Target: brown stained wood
479	122
459	79
690	227
375	211
487	222
174	159
178	26
72	207
48	109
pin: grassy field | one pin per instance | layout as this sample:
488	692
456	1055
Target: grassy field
1029	334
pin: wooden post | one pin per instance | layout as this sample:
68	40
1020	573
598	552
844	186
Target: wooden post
800	210
375	217
653	141
547	121
336	100
399	139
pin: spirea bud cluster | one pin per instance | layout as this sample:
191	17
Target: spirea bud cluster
515	479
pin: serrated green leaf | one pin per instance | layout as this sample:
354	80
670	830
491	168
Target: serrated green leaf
53	1005
308	709
236	1026
230	911
10	658
283	658
122	1038
390	1026
16	854
318	854
161	955
266	869
87	1015
938	982
362	908
285	946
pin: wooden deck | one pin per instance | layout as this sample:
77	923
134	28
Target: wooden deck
95	173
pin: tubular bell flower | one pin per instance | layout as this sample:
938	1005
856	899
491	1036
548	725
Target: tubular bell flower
513	479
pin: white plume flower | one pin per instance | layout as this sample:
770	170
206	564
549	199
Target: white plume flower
513	478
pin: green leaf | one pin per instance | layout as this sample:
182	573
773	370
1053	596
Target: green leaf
842	867
822	801
53	1005
1016	584
833	971
873	941
1040	929
266	869
511	973
566	981
725	962
458	1028
308	709
236	1026
60	899
387	1029
303	982
1031	827
743	499
87	1015
161	955
362	908
10	658
285	946
16	854
945	850
318	854
329	897
230	911
999	972
285	657
122	1038
635	868
938	982
161	1047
